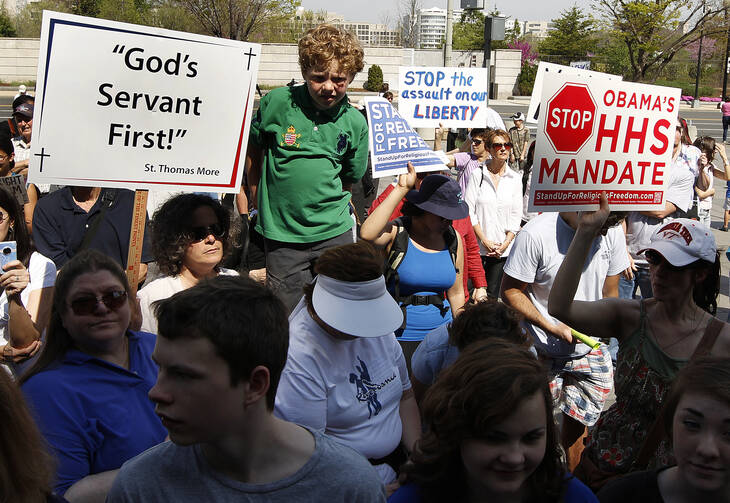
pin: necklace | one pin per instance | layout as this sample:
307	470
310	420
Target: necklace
688	334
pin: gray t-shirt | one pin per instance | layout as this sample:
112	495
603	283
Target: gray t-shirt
169	472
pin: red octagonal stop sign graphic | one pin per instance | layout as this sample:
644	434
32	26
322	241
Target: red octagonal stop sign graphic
570	117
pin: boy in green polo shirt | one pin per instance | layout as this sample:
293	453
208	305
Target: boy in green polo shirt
306	148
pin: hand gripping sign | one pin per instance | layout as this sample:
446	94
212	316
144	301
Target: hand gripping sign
393	143
120	105
602	135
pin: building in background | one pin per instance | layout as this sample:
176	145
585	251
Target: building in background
431	27
537	29
369	34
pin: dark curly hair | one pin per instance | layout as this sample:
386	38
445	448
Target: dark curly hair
171	229
487	319
481	389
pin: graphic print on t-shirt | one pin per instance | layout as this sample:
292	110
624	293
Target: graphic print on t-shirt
366	390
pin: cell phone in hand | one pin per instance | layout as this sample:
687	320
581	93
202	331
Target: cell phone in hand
8	253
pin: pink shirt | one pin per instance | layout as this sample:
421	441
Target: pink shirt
725	107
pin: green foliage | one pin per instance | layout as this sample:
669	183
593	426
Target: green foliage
7	29
513	33
653	31
168	14
573	36
28	20
612	55
526	79
687	86
375	78
468	33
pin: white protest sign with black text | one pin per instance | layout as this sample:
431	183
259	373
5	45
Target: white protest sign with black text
121	105
544	69
602	135
454	97
393	142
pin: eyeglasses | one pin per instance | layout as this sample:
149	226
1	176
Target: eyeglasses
498	146
84	306
476	142
202	232
22	118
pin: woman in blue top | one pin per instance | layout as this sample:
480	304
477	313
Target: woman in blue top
490	434
427	270
89	387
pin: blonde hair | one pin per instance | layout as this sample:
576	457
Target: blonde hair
326	43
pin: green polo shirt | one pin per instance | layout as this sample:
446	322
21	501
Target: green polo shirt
308	154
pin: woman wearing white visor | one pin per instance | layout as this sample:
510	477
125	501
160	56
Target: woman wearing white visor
345	373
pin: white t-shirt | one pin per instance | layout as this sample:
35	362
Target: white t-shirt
42	273
706	203
496	210
640	228
159	289
539	249
350	390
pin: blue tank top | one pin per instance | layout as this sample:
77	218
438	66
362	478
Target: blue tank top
424	273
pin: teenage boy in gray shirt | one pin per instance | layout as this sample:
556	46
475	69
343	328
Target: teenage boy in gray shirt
221	347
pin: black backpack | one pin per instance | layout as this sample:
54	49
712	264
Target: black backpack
395	258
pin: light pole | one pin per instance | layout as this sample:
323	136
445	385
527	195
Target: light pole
449	32
696	101
727	51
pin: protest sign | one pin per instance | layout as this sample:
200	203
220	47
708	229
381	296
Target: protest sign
121	105
544	69
454	97
15	184
393	143
602	135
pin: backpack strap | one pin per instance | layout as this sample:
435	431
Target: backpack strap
452	243
397	253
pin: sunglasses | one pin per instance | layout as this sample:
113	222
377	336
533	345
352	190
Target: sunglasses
476	142
202	232
655	258
498	146
84	306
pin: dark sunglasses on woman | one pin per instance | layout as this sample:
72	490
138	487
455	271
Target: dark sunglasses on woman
202	232
84	306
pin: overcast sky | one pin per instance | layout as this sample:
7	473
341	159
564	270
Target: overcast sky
378	11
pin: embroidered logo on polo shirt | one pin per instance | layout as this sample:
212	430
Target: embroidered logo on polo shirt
341	142
290	137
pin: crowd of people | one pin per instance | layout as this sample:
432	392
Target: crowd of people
281	349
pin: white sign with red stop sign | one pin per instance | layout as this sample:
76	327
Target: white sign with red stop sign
602	135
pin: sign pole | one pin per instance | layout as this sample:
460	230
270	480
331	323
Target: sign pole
136	238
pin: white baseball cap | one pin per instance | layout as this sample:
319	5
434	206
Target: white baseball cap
682	241
358	308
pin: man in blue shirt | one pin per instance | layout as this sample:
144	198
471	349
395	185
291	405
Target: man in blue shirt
103	217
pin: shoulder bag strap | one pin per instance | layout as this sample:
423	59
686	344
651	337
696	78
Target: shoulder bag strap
656	432
107	199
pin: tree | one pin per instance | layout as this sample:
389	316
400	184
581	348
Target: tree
572	37
655	30
408	22
238	19
469	31
6	24
375	78
514	32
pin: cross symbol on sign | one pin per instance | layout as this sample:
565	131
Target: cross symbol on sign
42	155
249	54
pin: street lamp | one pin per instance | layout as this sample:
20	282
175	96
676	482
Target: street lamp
696	101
